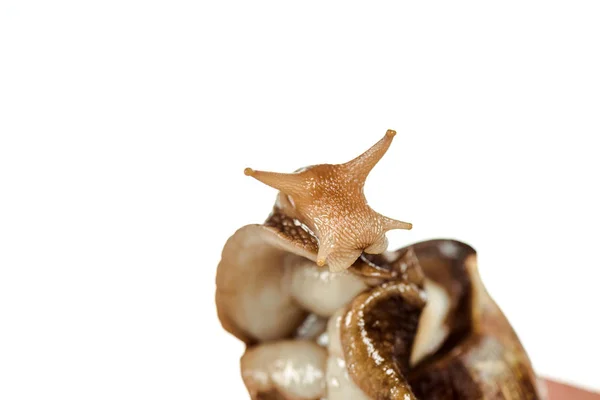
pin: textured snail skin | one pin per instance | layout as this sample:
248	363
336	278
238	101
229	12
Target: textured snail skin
329	198
422	325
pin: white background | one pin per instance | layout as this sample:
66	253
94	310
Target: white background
125	127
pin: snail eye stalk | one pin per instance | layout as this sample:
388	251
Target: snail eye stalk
330	200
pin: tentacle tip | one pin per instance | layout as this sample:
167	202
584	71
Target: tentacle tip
390	133
408	226
321	262
248	171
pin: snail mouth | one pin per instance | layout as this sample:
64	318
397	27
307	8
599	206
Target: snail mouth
416	323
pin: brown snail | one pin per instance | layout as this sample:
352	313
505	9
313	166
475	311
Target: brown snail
328	313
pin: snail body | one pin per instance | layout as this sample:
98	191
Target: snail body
328	313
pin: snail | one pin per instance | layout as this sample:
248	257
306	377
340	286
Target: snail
327	312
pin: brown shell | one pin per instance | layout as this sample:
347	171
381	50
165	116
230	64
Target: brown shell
481	358
377	338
